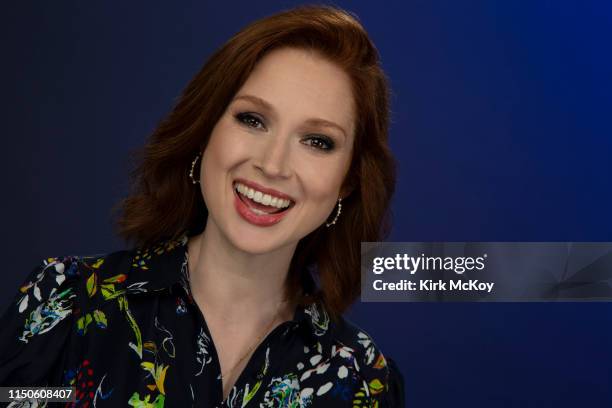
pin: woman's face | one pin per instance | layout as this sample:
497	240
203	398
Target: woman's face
276	160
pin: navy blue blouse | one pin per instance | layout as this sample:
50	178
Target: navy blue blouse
123	329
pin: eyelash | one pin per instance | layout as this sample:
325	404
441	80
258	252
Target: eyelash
246	117
318	142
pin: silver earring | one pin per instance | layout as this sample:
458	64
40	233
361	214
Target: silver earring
193	163
329	224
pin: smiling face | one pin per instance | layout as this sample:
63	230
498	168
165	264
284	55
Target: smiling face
276	159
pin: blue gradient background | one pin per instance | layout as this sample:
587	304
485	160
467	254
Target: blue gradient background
501	126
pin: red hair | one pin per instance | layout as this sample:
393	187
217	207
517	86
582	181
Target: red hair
164	203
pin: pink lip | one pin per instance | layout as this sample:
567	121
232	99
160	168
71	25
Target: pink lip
262	220
265	190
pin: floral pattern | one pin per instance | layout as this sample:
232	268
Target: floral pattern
123	329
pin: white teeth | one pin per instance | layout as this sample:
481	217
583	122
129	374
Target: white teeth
258	196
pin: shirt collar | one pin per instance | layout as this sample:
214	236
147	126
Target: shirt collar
163	268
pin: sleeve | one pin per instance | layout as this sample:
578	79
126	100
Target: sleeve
35	328
395	390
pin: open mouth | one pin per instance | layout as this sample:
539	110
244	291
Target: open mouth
261	203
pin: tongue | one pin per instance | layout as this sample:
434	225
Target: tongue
253	204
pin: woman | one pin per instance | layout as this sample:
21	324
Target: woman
250	203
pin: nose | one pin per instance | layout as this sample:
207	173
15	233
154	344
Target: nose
274	160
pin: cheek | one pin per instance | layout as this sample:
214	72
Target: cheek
224	150
216	160
322	182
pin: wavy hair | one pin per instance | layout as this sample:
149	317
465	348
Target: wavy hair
163	203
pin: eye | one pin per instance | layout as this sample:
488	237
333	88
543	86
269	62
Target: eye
319	142
251	120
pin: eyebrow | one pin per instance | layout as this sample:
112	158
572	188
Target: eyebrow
267	106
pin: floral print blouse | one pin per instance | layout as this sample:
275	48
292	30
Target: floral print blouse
124	330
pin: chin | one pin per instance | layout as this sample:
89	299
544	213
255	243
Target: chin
256	244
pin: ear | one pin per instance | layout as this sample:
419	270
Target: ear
347	188
350	183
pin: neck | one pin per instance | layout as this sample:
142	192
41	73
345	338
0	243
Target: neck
234	284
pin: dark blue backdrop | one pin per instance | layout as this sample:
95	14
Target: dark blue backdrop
501	126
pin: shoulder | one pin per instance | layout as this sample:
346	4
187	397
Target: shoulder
45	298
342	364
90	280
351	339
56	289
38	326
343	331
378	378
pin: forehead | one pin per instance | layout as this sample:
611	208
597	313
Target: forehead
303	84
